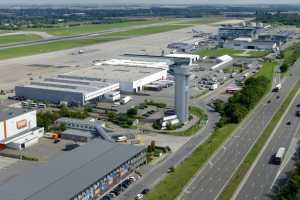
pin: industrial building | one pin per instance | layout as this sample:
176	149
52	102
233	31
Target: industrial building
131	78
233	32
248	43
85	173
182	74
278	38
94	127
73	90
18	128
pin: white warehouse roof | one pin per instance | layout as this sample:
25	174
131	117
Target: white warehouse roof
120	73
183	55
136	63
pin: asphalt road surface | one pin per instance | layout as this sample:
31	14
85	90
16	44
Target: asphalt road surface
160	171
215	175
260	180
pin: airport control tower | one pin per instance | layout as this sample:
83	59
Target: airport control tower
182	74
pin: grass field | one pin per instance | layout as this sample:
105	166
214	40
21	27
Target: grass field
148	30
10	39
231	187
64	30
61	45
216	52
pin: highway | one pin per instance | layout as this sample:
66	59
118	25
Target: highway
214	176
259	182
159	171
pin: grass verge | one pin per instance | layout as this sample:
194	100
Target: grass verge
172	185
10	39
258	146
216	52
202	118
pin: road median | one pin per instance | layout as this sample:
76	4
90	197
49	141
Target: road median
250	158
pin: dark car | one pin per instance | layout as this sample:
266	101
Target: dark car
298	105
145	191
288	123
277	97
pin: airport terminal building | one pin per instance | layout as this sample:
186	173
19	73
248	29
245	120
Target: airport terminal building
85	173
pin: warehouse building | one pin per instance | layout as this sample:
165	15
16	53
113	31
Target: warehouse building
73	90
94	127
131	78
233	32
18	128
248	43
85	173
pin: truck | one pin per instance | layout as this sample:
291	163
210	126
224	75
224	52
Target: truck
126	99
277	87
278	157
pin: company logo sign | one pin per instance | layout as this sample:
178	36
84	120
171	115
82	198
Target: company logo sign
21	124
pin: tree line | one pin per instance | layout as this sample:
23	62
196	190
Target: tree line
290	56
239	105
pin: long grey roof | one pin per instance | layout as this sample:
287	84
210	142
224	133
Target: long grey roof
69	174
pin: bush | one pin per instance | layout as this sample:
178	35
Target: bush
132	112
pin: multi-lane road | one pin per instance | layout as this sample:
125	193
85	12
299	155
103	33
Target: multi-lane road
211	180
259	181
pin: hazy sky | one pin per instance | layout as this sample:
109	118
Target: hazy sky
150	1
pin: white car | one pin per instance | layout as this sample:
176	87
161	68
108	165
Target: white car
139	196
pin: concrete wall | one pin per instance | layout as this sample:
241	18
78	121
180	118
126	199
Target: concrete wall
18	124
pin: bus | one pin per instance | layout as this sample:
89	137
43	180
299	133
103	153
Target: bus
278	157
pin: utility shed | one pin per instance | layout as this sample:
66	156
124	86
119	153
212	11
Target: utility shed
74	174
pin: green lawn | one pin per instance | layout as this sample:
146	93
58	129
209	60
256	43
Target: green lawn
61	45
235	181
267	70
170	187
216	52
10	39
148	30
196	127
64	30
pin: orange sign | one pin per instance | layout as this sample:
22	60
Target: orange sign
21	124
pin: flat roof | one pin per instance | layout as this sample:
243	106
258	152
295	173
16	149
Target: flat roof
115	72
61	83
65	176
8	112
77	132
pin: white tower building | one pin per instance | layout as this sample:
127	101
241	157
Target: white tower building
182	74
